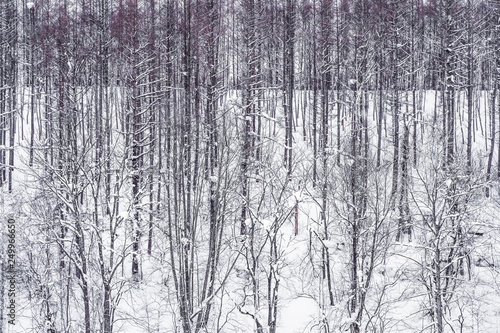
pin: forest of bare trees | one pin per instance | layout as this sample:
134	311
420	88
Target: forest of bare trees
250	165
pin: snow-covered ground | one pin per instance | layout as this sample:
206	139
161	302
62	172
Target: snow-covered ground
397	297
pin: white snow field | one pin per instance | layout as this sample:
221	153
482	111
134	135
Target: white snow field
398	298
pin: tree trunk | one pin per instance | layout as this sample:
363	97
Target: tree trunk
288	81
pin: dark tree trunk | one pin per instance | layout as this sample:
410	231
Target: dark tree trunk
288	81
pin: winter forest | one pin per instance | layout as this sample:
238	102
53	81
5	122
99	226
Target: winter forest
267	166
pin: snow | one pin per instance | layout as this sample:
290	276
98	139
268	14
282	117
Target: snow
397	288
330	244
298	315
267	224
30	5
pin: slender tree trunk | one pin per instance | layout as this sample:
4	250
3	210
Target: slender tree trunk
470	85
315	115
325	17
212	144
380	110
404	226
438	302
11	25
32	88
395	125
288	81
492	138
